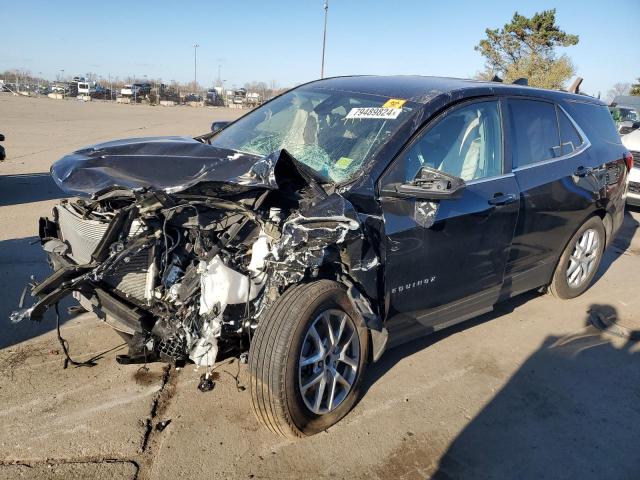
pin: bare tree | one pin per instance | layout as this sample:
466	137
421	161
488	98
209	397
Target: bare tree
618	89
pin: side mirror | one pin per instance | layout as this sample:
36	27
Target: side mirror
429	184
217	126
1	137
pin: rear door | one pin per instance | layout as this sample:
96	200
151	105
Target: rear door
445	259
552	165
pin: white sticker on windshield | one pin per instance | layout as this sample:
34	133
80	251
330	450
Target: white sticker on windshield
375	112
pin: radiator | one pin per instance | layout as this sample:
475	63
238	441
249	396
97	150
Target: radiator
82	235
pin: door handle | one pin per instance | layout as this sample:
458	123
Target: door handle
583	171
503	199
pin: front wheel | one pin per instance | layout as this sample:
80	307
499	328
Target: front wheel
307	360
579	261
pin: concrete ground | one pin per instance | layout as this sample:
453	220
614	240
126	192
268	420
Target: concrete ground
532	390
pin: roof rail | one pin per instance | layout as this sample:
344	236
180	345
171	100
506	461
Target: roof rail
575	86
521	81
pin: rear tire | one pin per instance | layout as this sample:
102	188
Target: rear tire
283	353
579	261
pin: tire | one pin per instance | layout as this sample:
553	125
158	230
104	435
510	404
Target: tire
562	285
283	338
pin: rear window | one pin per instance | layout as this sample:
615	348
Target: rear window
534	128
569	136
594	120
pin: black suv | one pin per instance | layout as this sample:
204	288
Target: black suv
342	217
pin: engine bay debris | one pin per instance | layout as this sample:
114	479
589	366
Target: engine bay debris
184	267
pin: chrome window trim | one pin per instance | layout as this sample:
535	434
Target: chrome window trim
586	143
488	179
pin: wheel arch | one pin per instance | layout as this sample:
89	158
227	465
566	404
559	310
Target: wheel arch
603	215
368	309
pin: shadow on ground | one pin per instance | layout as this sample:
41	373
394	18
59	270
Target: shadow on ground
20	258
620	245
391	357
28	187
570	411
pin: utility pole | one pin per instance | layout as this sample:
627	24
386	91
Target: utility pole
195	66
324	36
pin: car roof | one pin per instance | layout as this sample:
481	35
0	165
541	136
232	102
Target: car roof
423	89
626	101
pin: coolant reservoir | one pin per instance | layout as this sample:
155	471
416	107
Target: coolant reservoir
223	285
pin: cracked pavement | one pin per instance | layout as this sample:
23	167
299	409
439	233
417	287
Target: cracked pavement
530	390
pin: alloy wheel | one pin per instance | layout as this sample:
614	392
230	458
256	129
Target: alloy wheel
583	259
329	360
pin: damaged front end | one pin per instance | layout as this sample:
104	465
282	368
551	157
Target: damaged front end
185	274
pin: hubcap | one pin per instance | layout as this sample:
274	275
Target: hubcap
583	259
328	364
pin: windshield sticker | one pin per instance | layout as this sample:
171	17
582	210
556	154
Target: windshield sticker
374	112
394	103
344	162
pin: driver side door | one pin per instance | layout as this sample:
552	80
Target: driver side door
446	257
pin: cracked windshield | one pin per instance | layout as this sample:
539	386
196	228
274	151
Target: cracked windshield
335	133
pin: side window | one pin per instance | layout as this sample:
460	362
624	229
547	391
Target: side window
535	131
594	120
466	143
569	136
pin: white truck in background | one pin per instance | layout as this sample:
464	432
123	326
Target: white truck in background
86	88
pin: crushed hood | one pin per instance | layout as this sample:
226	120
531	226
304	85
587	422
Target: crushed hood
163	163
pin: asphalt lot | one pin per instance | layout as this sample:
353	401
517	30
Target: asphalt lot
531	390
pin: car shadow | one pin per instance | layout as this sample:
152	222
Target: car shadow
394	355
569	411
620	245
20	260
28	187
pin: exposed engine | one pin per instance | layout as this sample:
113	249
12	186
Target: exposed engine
191	269
187	275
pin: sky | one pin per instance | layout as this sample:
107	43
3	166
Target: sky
281	40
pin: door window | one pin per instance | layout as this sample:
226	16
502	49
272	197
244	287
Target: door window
535	131
466	142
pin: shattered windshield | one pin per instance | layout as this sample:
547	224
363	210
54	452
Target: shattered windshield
334	133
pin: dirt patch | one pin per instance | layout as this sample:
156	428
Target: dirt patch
16	357
416	457
99	470
145	377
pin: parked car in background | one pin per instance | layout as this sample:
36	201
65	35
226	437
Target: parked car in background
632	142
627	119
343	217
239	96
138	90
86	88
214	97
192	97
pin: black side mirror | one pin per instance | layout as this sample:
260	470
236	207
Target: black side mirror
1	137
217	126
429	184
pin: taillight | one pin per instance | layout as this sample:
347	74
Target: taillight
628	159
